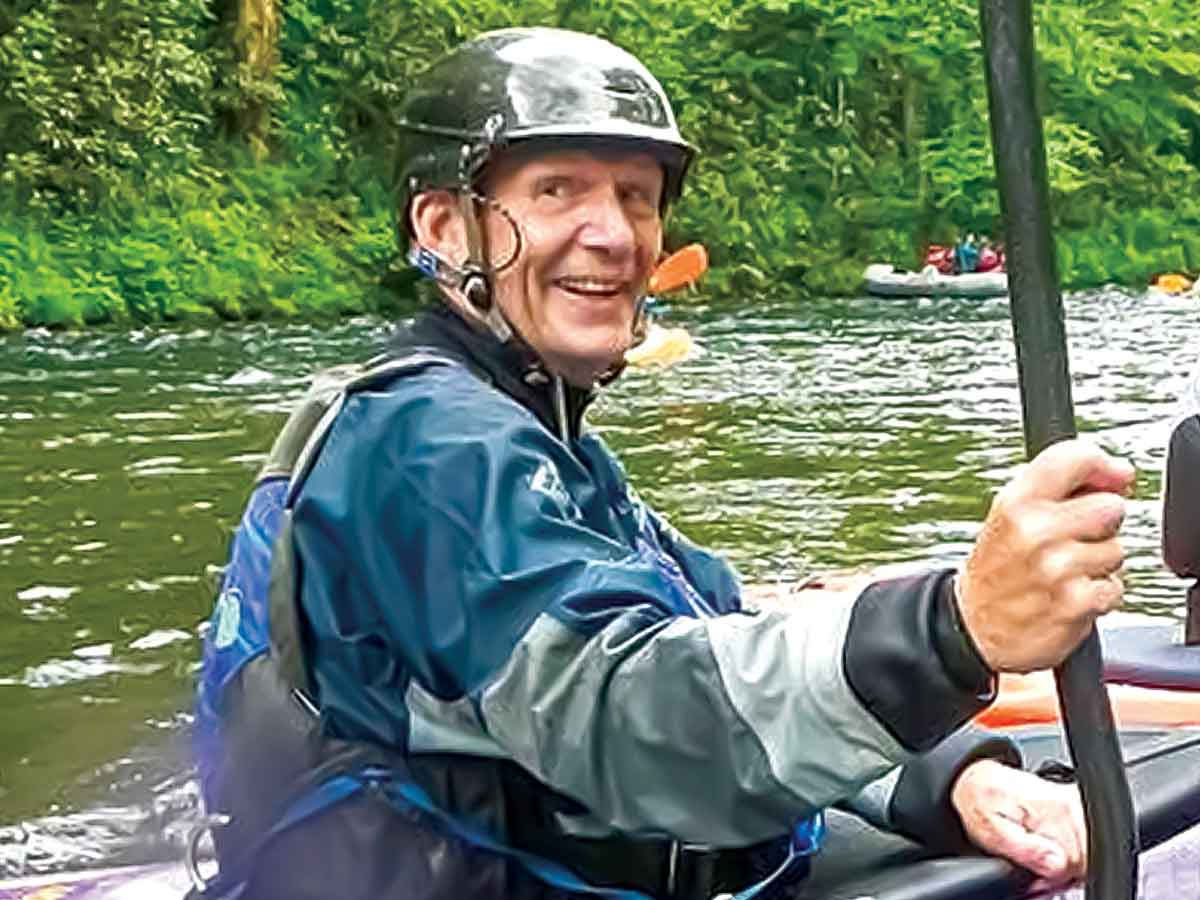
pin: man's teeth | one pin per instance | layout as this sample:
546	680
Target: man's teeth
590	285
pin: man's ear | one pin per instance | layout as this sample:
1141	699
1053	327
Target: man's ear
437	224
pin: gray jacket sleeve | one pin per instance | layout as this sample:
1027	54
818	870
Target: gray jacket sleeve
720	730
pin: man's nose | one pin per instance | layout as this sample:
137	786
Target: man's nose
608	226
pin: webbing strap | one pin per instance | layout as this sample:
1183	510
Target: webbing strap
805	840
328	793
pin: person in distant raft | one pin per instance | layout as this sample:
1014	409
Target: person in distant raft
455	655
966	255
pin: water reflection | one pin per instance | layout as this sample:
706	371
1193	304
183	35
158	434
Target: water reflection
808	436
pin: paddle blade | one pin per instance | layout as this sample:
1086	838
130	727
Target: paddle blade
681	268
1172	284
661	348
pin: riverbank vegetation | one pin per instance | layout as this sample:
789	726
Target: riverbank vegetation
165	160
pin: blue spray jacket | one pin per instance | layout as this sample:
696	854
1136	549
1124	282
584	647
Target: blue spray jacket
478	585
472	584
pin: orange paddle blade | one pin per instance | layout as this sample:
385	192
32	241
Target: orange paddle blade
679	269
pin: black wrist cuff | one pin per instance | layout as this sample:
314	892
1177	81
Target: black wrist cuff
955	646
921	807
908	661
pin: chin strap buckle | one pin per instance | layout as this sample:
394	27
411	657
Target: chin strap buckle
468	281
191	855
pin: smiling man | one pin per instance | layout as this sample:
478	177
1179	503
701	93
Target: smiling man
492	671
581	232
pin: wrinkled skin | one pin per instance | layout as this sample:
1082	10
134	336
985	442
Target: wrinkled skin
590	234
1046	564
1037	824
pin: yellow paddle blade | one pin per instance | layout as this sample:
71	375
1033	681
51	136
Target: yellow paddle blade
662	347
1172	283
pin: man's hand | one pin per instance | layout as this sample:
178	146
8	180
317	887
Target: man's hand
1035	823
1046	563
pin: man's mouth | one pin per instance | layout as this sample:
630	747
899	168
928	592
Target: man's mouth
586	286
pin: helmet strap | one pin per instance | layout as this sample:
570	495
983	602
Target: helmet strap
477	287
480	293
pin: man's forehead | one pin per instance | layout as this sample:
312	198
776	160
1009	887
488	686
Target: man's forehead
533	163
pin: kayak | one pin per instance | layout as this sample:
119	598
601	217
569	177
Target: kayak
1160	738
1163	765
1153	683
1152	678
156	881
883	280
859	861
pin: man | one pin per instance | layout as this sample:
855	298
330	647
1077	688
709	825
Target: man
494	672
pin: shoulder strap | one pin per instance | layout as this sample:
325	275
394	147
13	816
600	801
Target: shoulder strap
311	417
293	455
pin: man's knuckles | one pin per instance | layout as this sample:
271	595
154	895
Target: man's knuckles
1054	564
1084	598
1065	468
1019	526
1092	517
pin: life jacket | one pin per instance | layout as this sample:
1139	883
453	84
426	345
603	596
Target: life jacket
966	257
259	752
265	767
941	258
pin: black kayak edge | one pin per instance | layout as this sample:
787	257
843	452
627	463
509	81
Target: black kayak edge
1165	784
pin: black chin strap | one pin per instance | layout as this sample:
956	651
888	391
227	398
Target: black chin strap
469	280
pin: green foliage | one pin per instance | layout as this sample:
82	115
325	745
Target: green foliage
248	246
831	134
102	94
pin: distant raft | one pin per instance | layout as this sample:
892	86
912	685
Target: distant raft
884	280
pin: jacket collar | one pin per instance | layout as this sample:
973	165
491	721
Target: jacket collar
511	366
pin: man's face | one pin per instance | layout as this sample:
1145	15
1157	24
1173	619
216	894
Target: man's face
590	235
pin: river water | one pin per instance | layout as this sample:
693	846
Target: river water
807	436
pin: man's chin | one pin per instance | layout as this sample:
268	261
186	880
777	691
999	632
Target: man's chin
584	371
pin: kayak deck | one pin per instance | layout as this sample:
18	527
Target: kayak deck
1164	772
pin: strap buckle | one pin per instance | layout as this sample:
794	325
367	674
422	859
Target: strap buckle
691	871
191	853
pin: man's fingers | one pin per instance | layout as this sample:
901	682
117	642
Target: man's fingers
1071	467
1030	850
1091	517
1079	559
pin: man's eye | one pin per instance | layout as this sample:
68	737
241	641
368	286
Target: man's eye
639	198
556	188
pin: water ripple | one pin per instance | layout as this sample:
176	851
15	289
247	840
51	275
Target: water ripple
810	435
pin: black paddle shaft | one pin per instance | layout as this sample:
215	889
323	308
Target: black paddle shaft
1040	337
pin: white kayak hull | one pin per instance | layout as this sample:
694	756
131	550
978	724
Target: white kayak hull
885	281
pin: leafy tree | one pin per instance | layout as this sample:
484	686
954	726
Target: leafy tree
100	95
164	159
